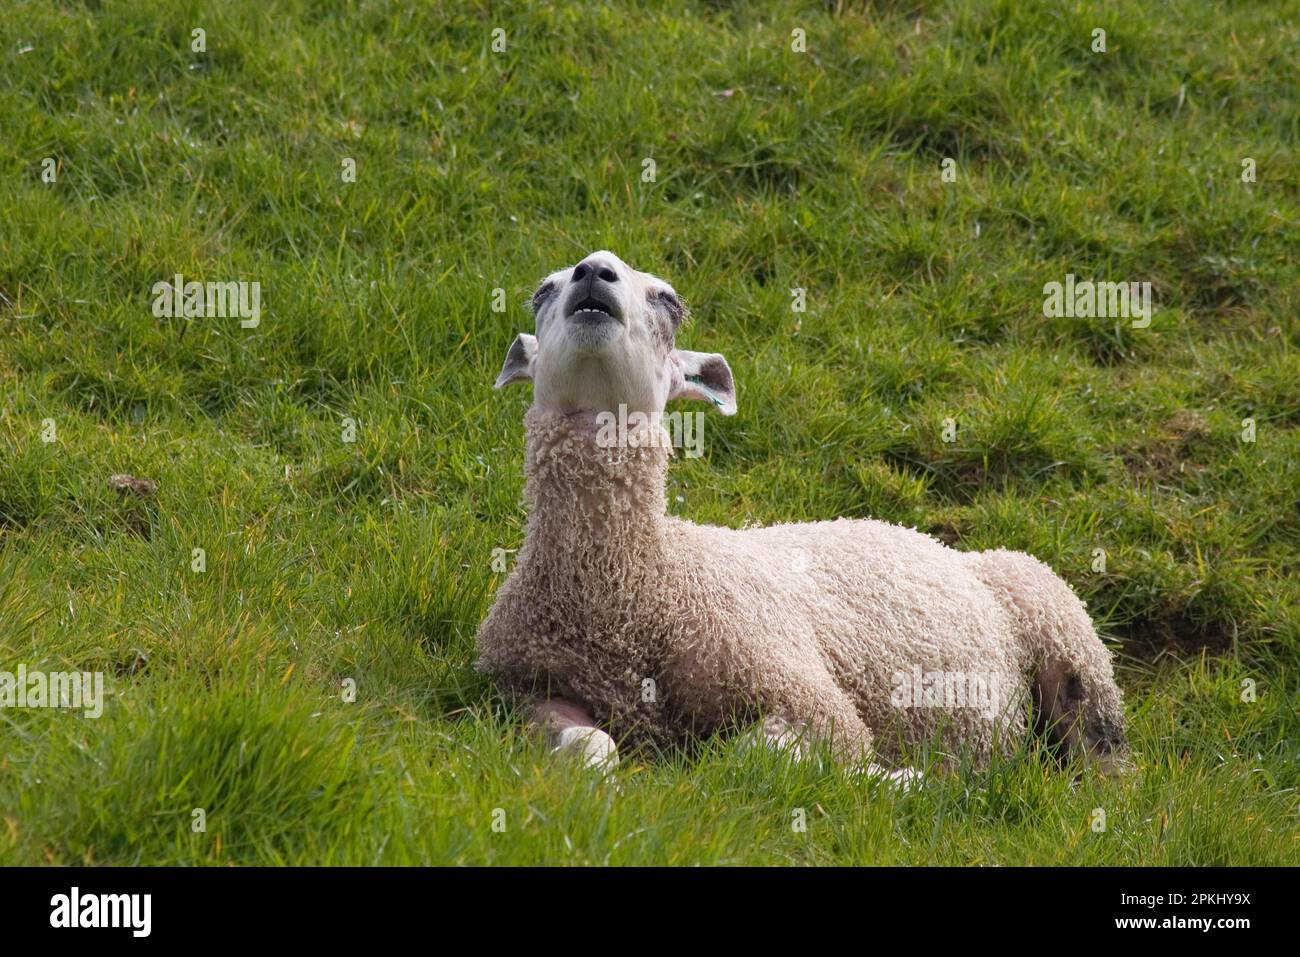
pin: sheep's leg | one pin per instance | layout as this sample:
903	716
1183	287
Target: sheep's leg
777	734
1077	703
807	705
571	731
780	735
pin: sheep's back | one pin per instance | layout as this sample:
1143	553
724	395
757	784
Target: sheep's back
870	600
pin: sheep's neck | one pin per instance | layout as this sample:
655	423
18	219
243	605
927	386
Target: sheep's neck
586	495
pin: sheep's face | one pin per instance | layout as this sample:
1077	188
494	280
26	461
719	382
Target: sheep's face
605	339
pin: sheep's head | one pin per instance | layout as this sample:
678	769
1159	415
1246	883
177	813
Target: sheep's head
605	338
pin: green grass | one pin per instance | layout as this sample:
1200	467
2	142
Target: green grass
370	561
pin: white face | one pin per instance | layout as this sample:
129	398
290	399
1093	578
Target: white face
605	338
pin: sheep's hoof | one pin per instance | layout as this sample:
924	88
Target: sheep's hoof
905	779
590	746
776	734
780	735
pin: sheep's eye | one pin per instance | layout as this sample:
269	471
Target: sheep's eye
544	292
676	311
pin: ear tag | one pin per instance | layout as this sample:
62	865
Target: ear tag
707	391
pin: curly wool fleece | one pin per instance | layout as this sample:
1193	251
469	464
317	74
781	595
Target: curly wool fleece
666	631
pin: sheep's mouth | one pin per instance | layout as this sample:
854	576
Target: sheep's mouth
593	311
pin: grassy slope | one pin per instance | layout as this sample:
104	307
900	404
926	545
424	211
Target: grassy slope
481	170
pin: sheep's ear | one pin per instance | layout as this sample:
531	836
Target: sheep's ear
519	361
703	375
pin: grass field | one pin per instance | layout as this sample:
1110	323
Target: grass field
329	562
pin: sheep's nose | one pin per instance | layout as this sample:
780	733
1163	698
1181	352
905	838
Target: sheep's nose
594	267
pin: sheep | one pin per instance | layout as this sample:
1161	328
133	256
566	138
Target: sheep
620	621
